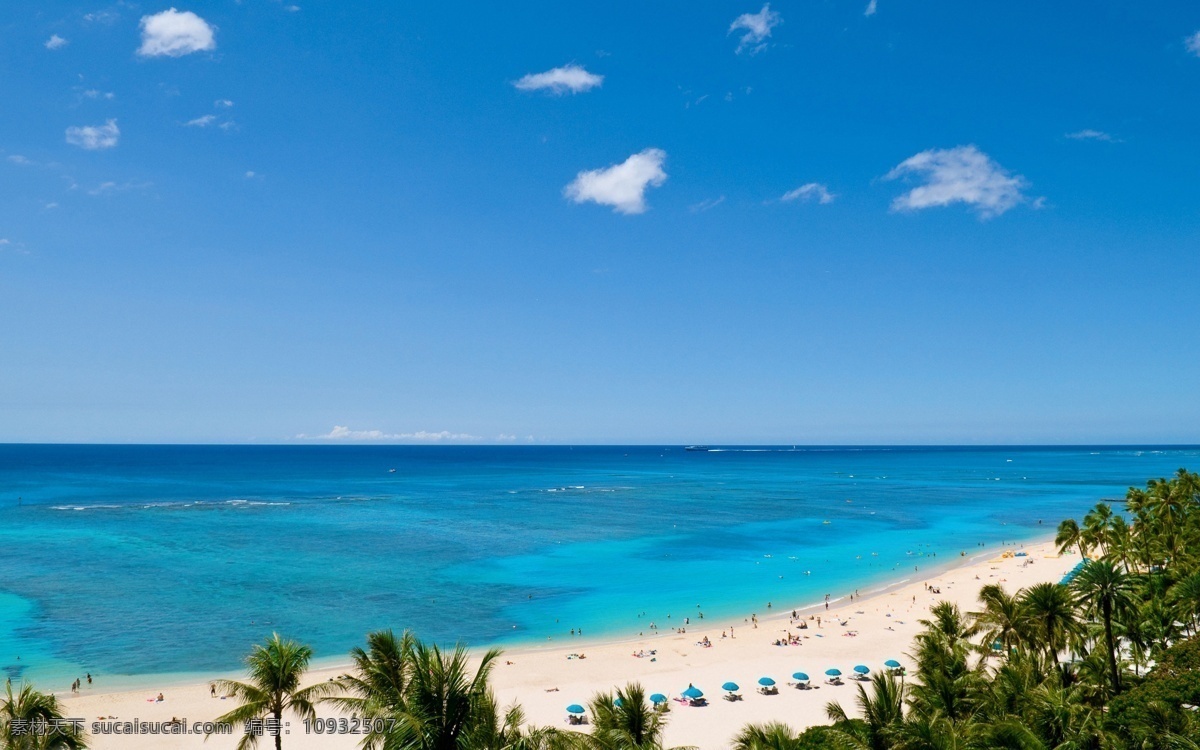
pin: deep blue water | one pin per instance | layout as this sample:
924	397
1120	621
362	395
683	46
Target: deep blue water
171	559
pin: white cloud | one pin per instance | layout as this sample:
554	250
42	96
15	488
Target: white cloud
757	27
1193	44
174	33
56	42
97	94
340	432
18	159
808	192
94	137
1087	134
223	103
251	174
108	188
872	7
963	174
706	204
622	186
108	16
569	78
201	122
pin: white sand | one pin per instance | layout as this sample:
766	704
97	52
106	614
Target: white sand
885	624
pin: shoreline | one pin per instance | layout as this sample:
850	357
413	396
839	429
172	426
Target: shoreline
544	678
127	683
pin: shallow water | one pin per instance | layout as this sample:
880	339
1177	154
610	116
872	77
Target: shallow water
167	559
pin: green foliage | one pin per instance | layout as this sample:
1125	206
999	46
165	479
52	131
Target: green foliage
31	720
1067	672
433	699
1173	682
273	689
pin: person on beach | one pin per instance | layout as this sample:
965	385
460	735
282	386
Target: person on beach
89	678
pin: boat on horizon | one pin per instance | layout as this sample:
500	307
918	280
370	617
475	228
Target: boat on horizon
697	448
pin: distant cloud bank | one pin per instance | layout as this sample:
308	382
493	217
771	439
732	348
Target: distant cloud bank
342	433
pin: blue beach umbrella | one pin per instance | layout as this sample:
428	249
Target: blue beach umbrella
892	664
861	669
766	681
833	672
658	698
617	702
575	708
730	686
693	692
802	677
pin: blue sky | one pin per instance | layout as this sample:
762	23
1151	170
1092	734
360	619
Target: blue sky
936	222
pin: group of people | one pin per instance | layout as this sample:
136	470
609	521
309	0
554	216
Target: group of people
78	683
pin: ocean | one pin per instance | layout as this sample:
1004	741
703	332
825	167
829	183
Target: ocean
153	562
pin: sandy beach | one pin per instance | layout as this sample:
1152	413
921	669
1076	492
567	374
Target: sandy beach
868	630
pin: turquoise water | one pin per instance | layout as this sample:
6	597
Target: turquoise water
135	560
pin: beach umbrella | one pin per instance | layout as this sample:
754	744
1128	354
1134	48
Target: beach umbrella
833	672
575	708
693	692
658	698
800	676
861	669
892	664
730	686
766	681
617	702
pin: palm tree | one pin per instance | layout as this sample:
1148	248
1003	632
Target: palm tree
882	712
1069	536
1120	542
1104	588
444	703
1165	727
1185	596
31	720
1095	526
934	732
1051	611
1002	619
433	699
380	679
625	721
774	735
492	731
276	671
